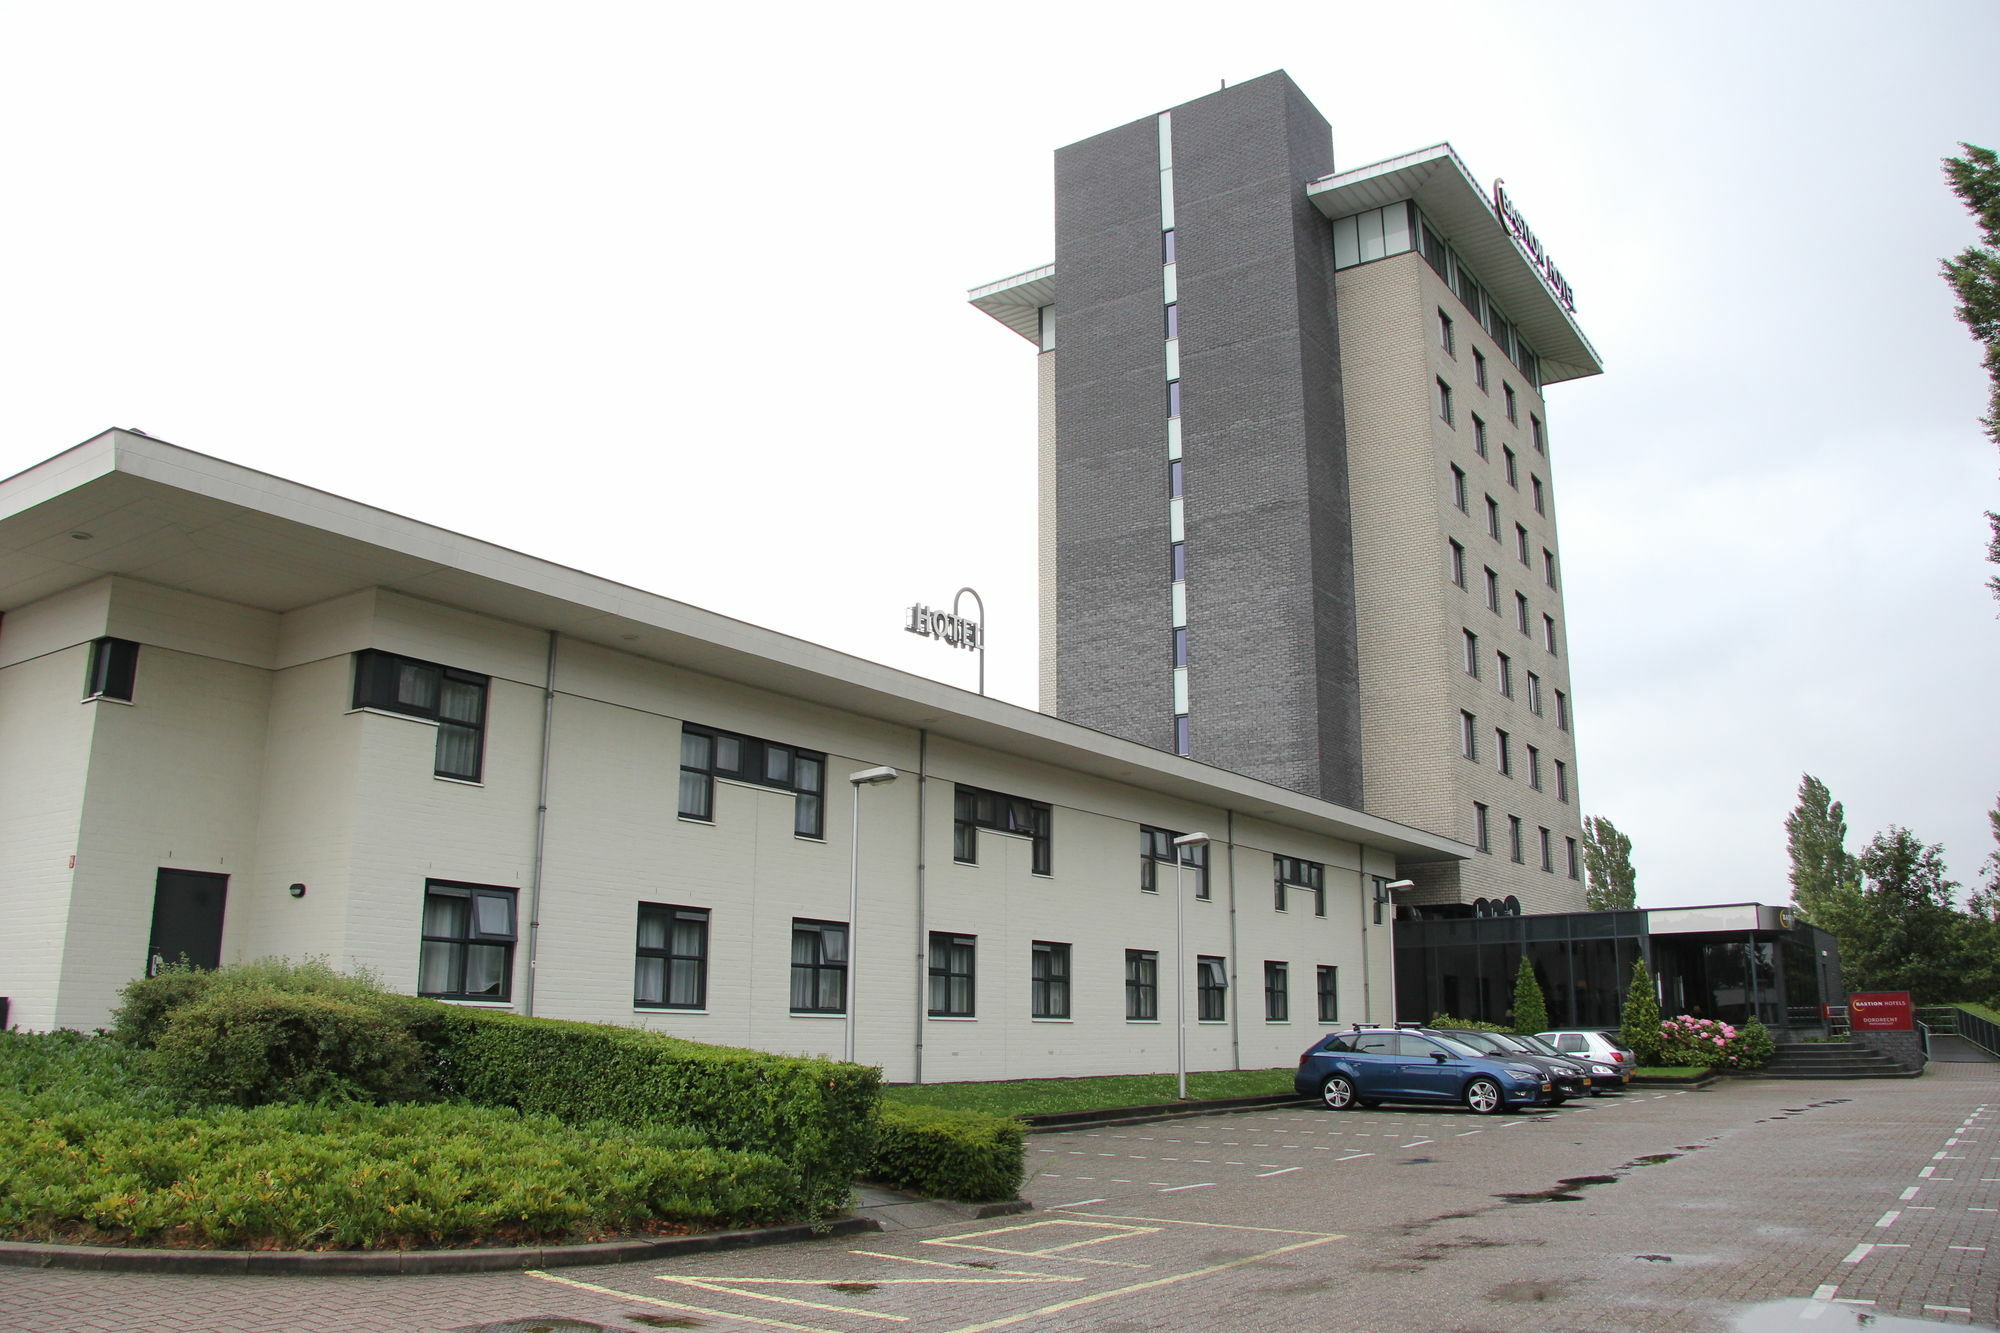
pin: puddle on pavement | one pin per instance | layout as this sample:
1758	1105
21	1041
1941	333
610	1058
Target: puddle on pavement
1528	1291
540	1324
1771	1316
1655	1258
851	1286
666	1320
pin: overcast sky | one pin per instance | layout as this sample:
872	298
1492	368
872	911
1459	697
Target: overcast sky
676	295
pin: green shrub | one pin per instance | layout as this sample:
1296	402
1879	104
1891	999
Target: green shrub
1531	1008
1640	1027
965	1155
817	1115
64	1069
241	1046
1714	1044
1470	1024
360	1177
146	1005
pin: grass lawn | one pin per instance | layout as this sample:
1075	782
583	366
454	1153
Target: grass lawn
1985	1011
1043	1095
1669	1071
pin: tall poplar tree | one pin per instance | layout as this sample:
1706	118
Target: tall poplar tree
1826	885
1607	859
1974	276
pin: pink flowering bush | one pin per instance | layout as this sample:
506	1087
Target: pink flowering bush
1713	1044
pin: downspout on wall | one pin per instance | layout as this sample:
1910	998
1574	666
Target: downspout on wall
1235	1010
923	926
541	831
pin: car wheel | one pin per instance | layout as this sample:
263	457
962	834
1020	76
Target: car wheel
1483	1096
1337	1092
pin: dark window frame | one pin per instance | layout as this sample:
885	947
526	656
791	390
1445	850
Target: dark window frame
1277	992
1295	872
804	775
1482	826
820	966
1048	979
378	680
474	936
113	672
954	961
1326	992
1156	848
1211	989
975	808
1142	986
673	914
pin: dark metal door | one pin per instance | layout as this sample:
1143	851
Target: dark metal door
187	919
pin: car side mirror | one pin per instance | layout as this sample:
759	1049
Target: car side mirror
1438	1056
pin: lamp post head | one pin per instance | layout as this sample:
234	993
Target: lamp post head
872	777
1192	840
1399	884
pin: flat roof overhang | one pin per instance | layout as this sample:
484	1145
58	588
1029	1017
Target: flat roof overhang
169	516
1015	301
1463	214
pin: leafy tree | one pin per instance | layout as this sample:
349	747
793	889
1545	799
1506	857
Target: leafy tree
1531	1009
1824	878
1907	933
1974	276
1641	1026
1607	859
1982	927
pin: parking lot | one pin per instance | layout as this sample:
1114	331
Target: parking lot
1659	1209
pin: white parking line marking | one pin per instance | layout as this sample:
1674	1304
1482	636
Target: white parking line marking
1977	1249
1463	1133
1850	1300
1857	1254
1281	1171
1910	1193
1983	1210
1888	1218
1950	1309
1925	1174
1824	1292
1351	1156
1081	1202
1419	1143
1209	1184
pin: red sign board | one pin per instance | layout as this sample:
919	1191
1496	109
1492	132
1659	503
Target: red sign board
1880	1011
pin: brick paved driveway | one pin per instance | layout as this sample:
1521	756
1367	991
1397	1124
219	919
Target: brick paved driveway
1657	1210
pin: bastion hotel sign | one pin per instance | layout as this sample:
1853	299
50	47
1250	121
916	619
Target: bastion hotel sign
1536	254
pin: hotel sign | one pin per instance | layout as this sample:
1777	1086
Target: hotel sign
1880	1011
1529	242
955	630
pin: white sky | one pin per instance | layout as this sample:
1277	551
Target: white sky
676	295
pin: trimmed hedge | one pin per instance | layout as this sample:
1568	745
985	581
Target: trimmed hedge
965	1155
1469	1024
817	1115
244	1047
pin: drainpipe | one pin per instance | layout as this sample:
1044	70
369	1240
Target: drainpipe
1235	955
1363	880
923	928
541	832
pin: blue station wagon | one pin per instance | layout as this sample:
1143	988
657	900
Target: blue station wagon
1369	1066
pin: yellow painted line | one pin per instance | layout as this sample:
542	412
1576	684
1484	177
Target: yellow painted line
944	1263
1142	1286
673	1305
720	1289
1115	1233
1221	1226
1036	1254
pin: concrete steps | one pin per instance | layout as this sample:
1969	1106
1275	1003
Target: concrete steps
1831	1059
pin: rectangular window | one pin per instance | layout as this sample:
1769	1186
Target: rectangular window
1211	989
1548	854
1506	675
1177	561
1142	985
1174	479
1458	486
1535	431
1521	613
1549	633
1479	369
1569	848
1277	993
1493	518
1468	735
1180	646
1534	768
1326	985
1508	390
468	942
708	753
1478	433
454	699
1482	827
1514	837
1183	740
1541	504
672	967
1444	334
1504	745
819	967
1562	781
1444	402
1457	564
1048	981
1548	567
1492	590
1290	872
1513	467
1173	399
1167	246
1534	694
1156	849
114	667
1521	545
1173	321
975	809
1471	654
1562	710
951	975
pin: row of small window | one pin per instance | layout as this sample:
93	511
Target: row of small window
1503	752
1455	563
1175	478
1482	838
1448	340
1460	496
1504	674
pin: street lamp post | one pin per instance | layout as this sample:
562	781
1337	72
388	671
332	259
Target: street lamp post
867	777
1186	840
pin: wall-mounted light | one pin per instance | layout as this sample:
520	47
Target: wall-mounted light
297	890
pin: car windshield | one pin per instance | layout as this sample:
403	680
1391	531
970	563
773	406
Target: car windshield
1480	1041
1617	1042
1535	1046
1456	1047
